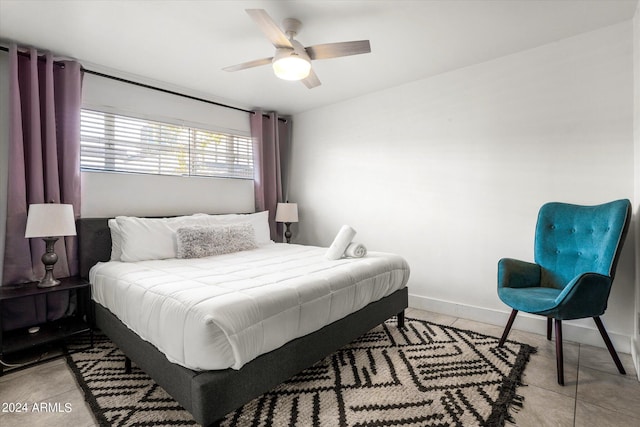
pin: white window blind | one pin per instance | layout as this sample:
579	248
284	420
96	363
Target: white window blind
112	142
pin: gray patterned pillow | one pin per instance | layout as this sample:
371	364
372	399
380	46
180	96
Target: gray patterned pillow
198	242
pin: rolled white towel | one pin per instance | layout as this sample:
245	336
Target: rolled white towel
355	250
340	243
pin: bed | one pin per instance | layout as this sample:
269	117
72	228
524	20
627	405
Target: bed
209	394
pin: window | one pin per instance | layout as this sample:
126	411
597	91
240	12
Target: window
115	143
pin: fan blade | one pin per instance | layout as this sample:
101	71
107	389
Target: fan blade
335	50
250	64
269	28
311	80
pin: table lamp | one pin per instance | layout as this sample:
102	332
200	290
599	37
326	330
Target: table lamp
287	213
50	221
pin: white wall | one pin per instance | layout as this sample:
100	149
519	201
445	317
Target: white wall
450	171
110	194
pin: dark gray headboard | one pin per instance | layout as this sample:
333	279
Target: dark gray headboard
94	243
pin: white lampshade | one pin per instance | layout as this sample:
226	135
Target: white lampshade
287	212
288	65
50	220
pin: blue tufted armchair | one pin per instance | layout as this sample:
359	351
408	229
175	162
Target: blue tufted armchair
576	252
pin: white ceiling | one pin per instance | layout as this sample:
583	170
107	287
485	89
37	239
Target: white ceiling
185	44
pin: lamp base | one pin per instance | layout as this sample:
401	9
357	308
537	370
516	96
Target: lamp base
49	259
287	234
48	282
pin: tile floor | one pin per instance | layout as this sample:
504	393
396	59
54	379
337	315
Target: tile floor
594	393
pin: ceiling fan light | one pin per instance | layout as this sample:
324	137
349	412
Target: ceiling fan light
291	67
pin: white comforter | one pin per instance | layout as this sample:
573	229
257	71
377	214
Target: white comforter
223	311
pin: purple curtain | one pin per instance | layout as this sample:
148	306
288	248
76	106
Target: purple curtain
44	166
270	149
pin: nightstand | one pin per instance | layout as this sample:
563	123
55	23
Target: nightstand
50	332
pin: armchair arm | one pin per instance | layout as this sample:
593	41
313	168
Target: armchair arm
585	296
513	273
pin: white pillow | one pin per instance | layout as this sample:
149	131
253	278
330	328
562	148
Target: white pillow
116	240
148	238
260	223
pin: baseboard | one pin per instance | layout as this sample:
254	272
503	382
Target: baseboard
635	354
525	322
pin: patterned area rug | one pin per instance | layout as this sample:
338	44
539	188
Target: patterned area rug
425	375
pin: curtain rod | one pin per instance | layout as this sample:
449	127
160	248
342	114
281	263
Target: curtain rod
146	86
170	92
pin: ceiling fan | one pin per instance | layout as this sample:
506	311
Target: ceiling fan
292	61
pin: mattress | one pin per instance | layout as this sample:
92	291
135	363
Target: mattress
223	311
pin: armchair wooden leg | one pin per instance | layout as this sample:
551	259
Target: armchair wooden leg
549	321
508	327
607	341
559	356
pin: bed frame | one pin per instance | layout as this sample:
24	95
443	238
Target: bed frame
210	395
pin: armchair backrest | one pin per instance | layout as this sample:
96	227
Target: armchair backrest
573	239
